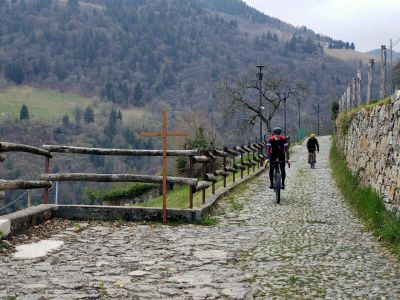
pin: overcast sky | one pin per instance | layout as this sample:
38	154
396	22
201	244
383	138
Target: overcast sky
367	23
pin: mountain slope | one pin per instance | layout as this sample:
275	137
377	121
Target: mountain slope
377	54
161	53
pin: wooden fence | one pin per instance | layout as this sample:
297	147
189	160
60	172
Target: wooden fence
214	163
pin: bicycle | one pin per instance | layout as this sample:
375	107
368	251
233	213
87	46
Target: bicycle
312	159
277	179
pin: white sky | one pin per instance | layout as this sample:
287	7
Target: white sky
367	23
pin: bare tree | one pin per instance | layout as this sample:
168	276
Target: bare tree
240	97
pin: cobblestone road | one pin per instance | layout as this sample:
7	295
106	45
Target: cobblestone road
310	246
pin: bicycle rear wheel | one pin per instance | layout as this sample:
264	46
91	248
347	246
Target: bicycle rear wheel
277	185
313	160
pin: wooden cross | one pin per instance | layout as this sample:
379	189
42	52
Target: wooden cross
164	135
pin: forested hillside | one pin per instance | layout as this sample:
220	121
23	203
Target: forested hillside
135	52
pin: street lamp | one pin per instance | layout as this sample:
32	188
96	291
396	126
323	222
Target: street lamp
284	99
318	117
391	64
260	107
298	104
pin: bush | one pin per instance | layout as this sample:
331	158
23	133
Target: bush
118	193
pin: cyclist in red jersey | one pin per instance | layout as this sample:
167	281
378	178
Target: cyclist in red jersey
278	149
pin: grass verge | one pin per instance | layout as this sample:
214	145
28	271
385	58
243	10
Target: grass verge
368	205
179	197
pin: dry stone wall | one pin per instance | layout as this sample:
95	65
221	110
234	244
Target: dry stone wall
372	149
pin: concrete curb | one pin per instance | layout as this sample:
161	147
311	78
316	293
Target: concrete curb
220	193
21	220
101	212
26	218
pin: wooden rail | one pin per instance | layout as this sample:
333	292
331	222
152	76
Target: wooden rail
116	178
24	184
11	147
117	152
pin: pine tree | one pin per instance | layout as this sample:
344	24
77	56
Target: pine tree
138	94
88	115
111	128
24	113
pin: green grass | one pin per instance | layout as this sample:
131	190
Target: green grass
49	104
42	104
368	205
179	197
207	221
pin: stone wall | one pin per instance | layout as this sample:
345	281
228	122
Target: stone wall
372	149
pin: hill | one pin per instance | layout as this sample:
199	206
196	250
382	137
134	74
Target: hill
377	54
137	53
348	55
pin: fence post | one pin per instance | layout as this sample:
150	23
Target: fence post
190	176
358	91
204	178
224	160
29	198
248	159
213	170
241	162
370	79
56	201
46	171
383	72
253	152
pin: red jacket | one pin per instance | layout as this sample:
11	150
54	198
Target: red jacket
277	146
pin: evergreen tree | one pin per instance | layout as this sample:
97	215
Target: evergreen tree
88	115
309	46
24	113
119	116
77	115
111	128
65	121
138	94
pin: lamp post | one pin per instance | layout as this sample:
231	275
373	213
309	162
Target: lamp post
391	64
260	76
298	104
318	117
284	99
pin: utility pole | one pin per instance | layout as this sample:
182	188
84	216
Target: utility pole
391	65
383	72
298	104
284	99
318	116
260	76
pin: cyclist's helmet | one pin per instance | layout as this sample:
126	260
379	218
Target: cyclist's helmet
277	130
312	136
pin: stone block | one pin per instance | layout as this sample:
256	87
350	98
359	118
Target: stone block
5	227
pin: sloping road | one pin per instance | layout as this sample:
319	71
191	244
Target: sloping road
310	246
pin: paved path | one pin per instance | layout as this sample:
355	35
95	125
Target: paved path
310	246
